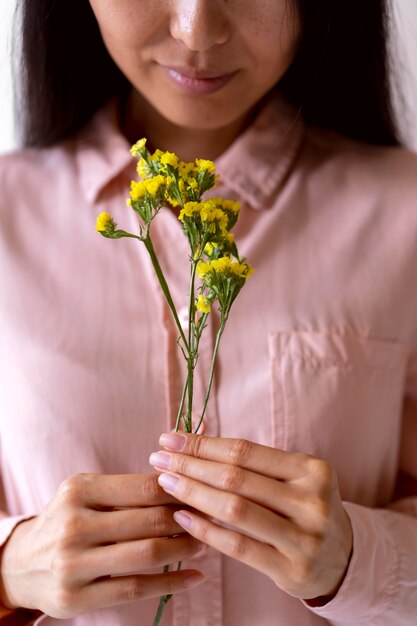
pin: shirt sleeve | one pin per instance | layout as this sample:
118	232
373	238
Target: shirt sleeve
14	617
380	586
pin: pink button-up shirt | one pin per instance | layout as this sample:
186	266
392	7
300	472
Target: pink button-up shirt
320	354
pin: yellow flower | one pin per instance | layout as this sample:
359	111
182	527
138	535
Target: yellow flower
209	248
169	158
138	147
230	205
204	268
203	304
184	169
142	168
224	265
156	156
153	184
215	217
203	166
191	182
138	189
190	208
104	221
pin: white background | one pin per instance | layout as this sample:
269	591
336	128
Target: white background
405	40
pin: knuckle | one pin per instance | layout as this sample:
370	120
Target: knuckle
149	552
186	489
64	570
232	478
71	529
237	546
181	464
303	572
150	488
322	511
303	460
322	471
240	451
72	489
134	589
159	519
196	445
236	509
65	601
310	546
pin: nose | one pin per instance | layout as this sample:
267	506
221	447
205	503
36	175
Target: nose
200	24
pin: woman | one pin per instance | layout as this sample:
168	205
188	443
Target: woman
298	505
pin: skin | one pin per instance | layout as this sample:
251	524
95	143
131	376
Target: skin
289	503
88	547
258	38
96	526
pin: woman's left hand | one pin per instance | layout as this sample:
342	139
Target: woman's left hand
286	508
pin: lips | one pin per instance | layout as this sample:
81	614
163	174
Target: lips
199	82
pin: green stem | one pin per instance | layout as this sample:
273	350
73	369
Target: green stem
184	390
191	352
213	362
164	286
163	601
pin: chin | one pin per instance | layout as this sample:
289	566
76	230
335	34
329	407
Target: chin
196	116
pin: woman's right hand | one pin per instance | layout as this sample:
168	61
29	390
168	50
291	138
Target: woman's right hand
86	549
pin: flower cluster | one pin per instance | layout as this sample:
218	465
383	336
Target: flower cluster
165	180
178	181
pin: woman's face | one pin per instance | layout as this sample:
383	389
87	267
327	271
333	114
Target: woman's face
202	64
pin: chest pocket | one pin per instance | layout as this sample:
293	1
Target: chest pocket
340	398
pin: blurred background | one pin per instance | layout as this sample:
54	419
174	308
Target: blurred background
404	41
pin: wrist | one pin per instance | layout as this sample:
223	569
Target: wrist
9	567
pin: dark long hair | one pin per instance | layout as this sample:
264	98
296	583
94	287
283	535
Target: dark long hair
340	77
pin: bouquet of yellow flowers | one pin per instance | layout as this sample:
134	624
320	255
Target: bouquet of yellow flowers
217	272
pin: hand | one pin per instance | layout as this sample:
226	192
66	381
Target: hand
85	550
286	507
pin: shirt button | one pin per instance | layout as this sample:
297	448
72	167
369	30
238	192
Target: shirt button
183	317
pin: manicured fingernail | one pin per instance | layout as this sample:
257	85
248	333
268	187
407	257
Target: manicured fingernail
168	482
160	459
183	519
194	579
175	441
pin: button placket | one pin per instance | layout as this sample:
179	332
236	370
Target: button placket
202	606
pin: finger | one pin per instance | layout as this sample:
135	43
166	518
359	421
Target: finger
264	460
131	524
133	556
283	497
113	490
235	510
115	591
256	554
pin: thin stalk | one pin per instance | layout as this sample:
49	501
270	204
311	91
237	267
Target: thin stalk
184	391
213	361
163	601
191	351
164	286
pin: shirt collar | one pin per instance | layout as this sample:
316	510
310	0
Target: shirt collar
255	166
102	152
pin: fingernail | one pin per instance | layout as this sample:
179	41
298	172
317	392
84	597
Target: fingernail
175	441
183	519
168	482
194	579
160	459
